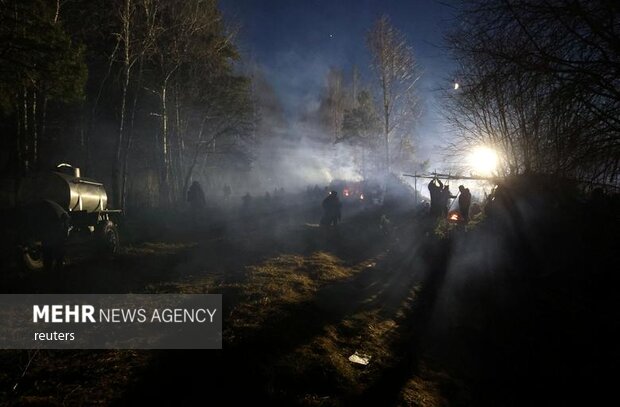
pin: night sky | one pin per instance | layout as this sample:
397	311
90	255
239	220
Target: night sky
295	43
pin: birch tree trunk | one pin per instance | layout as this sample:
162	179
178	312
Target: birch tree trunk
119	162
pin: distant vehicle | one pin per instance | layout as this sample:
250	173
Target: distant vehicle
50	211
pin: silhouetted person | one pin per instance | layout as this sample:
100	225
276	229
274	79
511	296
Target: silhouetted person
331	209
435	187
246	201
267	201
227	192
444	199
316	191
278	200
475	209
464	202
196	197
497	202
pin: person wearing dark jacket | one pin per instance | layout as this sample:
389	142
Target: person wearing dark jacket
464	202
197	202
227	192
196	197
435	187
445	196
331	209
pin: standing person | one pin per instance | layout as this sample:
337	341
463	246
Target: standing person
227	191
316	192
445	196
267	202
246	211
196	197
464	202
435	188
246	202
331	209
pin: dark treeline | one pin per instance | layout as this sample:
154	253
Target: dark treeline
141	94
539	82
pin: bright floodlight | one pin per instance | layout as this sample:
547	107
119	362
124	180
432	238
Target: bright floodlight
483	160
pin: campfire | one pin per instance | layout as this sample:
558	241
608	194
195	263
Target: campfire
454	216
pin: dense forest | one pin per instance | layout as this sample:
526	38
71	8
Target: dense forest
148	95
137	93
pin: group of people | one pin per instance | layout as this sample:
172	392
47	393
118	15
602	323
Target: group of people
196	196
197	201
439	206
440	198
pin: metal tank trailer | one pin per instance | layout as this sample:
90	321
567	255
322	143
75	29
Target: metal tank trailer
48	212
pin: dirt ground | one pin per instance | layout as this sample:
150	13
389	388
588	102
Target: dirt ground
298	301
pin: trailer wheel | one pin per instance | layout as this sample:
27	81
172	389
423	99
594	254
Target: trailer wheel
44	227
108	238
32	256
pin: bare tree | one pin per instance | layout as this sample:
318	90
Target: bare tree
135	39
397	74
540	84
336	100
225	119
192	48
361	127
333	103
38	62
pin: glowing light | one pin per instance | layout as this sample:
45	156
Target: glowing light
456	85
483	160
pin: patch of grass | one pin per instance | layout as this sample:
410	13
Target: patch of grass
419	392
325	267
155	248
431	388
203	285
69	378
284	280
320	370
